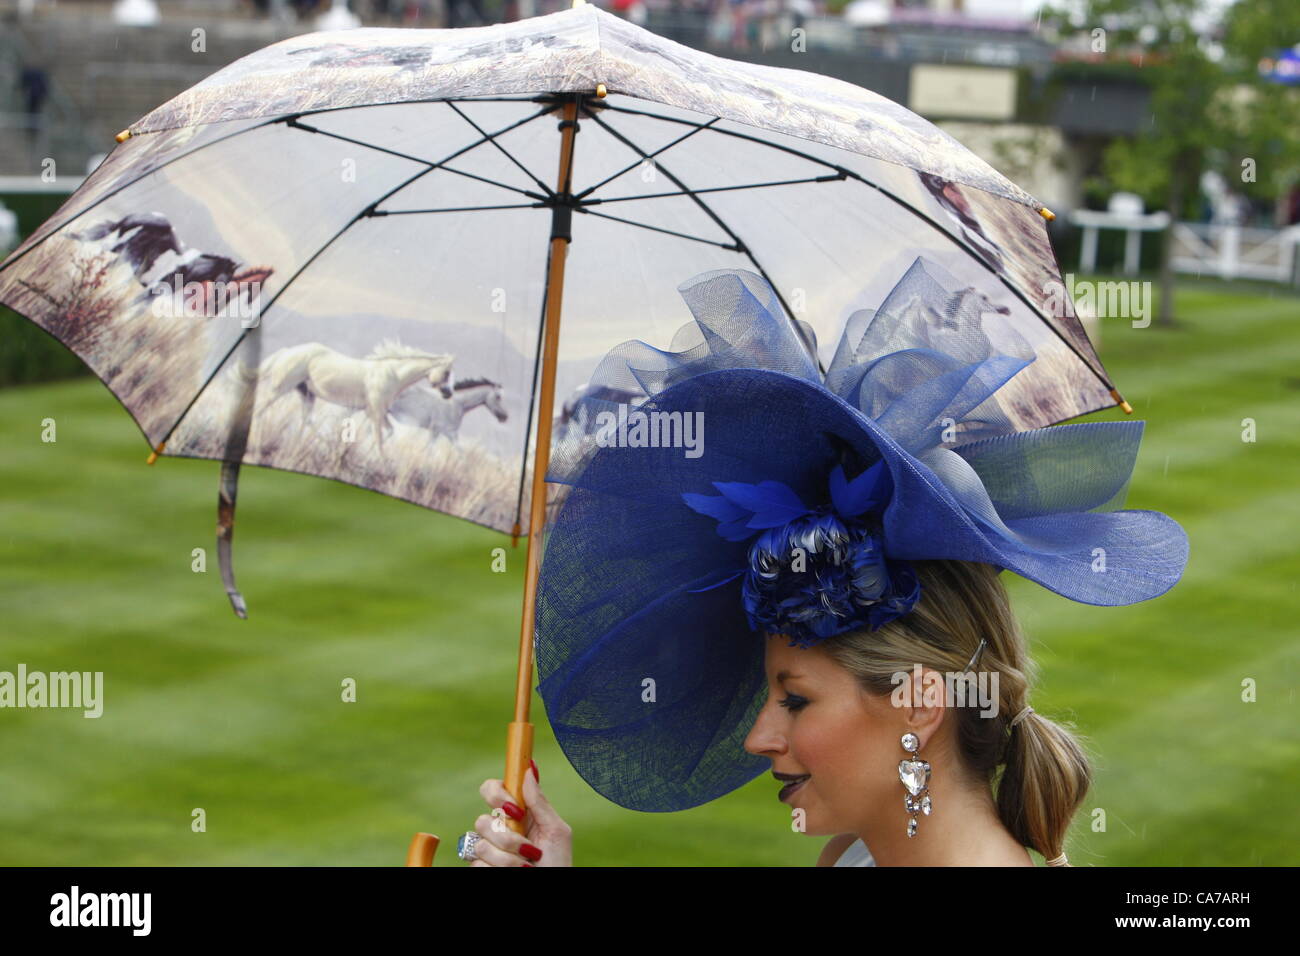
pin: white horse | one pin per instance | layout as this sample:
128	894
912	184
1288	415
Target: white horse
370	383
426	408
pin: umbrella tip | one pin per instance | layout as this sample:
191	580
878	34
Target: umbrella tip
1047	214
600	90
123	136
153	455
1119	400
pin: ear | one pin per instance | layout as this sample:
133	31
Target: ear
924	711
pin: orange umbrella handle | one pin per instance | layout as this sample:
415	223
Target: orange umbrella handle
423	847
519	750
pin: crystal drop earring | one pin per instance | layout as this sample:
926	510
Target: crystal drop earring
915	775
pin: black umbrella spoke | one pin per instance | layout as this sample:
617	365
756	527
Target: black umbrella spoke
740	245
727	132
492	182
493	99
718	189
126	185
442	163
239	340
318	111
491	137
409	212
732	246
631	166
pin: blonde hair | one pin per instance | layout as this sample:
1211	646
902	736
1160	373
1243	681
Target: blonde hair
1045	774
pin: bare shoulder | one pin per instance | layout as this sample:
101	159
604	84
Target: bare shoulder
835	848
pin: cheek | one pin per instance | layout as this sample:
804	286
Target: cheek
843	753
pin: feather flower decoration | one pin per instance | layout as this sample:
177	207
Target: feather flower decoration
812	573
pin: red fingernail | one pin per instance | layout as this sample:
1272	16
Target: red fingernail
536	776
512	810
527	864
530	852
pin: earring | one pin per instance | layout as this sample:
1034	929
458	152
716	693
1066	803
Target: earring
915	774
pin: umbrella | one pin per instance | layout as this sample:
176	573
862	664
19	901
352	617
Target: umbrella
348	254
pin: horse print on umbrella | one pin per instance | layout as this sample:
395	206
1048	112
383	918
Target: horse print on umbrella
371	383
162	263
578	412
440	413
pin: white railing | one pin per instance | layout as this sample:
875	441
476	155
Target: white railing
1132	224
1231	252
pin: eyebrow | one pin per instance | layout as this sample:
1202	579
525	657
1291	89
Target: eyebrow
784	674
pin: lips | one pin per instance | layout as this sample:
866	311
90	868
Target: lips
792	786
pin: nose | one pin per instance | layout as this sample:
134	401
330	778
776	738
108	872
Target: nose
767	737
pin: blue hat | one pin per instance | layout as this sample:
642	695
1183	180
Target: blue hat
798	514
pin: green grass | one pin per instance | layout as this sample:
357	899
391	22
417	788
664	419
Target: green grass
244	718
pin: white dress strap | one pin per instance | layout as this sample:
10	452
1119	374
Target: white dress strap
856	855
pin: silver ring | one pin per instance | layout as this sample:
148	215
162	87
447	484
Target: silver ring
465	845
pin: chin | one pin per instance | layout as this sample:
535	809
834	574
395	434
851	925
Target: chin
816	822
815	828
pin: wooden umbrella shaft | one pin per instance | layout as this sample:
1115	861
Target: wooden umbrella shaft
519	735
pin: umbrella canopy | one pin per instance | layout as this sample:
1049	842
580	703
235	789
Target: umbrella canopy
382	193
343	255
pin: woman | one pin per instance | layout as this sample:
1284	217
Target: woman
832	731
863	514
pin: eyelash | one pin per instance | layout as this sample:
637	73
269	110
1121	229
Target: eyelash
793	707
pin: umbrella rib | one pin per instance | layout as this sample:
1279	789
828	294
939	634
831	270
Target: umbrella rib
733	247
537	361
1014	289
490	99
727	132
699	126
441	164
117	189
837	177
799	330
408	212
319	111
364	213
492	139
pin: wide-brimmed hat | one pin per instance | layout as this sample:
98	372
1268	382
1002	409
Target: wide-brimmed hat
798	513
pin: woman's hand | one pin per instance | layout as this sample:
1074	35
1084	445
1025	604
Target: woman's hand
549	840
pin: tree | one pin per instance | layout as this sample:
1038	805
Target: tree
1264	150
1162	163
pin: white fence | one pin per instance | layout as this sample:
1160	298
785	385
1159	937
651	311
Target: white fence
1231	252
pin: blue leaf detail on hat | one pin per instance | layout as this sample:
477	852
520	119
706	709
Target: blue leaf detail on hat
869	491
743	508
